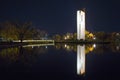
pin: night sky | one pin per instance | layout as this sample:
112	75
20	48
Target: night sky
59	16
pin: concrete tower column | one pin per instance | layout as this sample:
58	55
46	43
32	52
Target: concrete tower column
80	25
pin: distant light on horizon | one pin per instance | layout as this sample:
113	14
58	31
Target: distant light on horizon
65	45
94	45
94	38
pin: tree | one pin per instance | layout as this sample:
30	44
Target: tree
75	36
23	30
19	31
100	36
40	34
8	30
57	37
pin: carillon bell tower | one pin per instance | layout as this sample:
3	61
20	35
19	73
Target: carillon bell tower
80	24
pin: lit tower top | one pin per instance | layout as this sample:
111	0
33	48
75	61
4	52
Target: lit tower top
81	24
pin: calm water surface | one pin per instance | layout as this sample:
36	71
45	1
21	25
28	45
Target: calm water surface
61	62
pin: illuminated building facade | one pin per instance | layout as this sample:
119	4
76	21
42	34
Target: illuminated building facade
80	25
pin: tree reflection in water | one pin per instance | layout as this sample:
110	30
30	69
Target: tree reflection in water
24	55
73	47
96	48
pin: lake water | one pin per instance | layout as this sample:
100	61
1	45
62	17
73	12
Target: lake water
61	62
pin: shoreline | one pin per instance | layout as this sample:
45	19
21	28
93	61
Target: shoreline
77	42
16	44
84	42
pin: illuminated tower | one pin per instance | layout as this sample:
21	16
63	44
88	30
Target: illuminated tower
80	59
80	24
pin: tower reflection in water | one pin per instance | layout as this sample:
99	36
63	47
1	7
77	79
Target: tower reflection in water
80	59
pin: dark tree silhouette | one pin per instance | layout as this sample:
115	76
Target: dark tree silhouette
23	29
